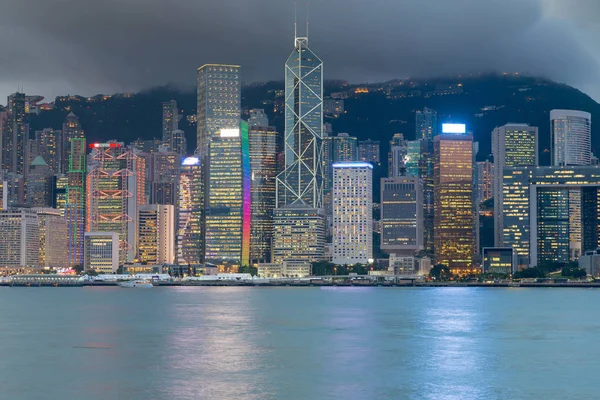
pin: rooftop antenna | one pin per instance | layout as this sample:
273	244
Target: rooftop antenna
307	3
295	23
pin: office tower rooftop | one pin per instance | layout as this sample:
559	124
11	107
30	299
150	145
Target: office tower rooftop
571	137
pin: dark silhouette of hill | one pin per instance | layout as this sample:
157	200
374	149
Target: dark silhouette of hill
509	98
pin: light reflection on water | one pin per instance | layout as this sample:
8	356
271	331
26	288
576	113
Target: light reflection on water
298	343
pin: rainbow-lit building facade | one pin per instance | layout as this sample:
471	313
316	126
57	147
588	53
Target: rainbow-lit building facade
228	201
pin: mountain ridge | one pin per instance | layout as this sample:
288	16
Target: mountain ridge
377	112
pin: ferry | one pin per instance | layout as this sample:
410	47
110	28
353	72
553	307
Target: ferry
136	283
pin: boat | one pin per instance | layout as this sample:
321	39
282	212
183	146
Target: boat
136	283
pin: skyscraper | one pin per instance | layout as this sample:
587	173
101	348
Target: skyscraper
258	118
571	137
454	242
178	142
352	213
170	122
75	207
190	245
14	135
20	244
219	97
396	156
368	151
485	181
163	175
223	146
228	200
557	233
48	141
41	184
53	239
156	234
340	148
402	216
263	167
299	219
115	188
513	145
413	157
426	124
71	129
515	211
344	148
301	182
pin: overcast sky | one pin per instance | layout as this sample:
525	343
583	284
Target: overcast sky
86	47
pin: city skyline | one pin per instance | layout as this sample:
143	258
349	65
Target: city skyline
314	201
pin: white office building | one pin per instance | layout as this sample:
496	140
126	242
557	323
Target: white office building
20	244
101	252
352	213
571	137
53	237
156	234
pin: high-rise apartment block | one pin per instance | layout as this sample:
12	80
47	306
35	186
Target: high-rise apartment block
170	122
368	151
258	118
397	156
513	145
454	242
571	137
352	213
47	146
426	124
15	135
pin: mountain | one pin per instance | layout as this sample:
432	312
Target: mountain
376	110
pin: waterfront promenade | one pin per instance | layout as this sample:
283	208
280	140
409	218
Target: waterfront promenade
327	281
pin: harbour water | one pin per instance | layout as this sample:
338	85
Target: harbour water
299	343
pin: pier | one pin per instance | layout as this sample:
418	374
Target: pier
39	280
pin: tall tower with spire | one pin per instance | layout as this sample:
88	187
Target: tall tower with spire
299	219
301	182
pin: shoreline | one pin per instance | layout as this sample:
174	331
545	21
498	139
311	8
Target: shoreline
336	285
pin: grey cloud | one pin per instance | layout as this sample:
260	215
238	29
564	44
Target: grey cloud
84	46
